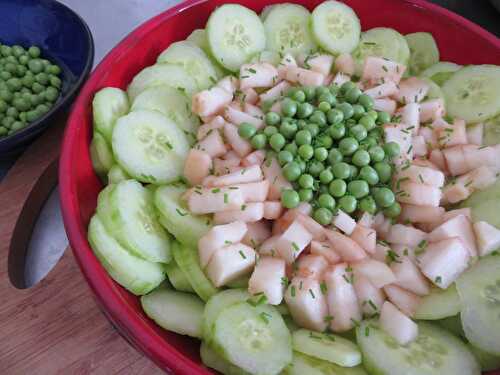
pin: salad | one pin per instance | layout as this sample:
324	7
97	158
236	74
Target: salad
307	198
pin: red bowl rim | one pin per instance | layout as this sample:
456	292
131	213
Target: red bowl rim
130	325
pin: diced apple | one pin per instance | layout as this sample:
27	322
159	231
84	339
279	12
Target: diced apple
381	250
366	220
197	166
482	177
382	225
409	277
247	212
421	175
452	136
386	105
220	166
437	158
210	102
377	272
272	172
293	241
316	229
260	75
419	145
307	304
255	158
378	70
459	226
325	249
287	61
420	214
212	144
267	278
344	222
216	123
304	77
488	237
282	224
429	137
268	247
455	160
241	176
347	248
311	265
405	235
253	191
405	301
365	237
272	210
410	116
321	63
477	156
370	298
381	91
397	325
411	90
475	134
419	194
275	92
237	117
253	110
229	83
341	297
398	134
344	63
249	96
230	262
466	211
340	78
455	192
443	261
432	109
241	146
257	233
210	200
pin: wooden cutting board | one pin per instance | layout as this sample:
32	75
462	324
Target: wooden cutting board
55	327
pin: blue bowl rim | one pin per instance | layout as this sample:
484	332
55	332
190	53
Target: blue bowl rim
20	136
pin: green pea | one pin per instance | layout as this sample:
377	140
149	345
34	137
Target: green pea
291	91
32	115
6	50
324	107
337	131
17	125
291	148
246	130
290	198
284	157
376	133
366	101
313	129
288	129
42	78
5	75
368	122
358	188
358	111
305	110
299	96
37	88
55	81
259	141
21	71
306	152
6	96
34	51
302	164
346	109
392	149
11	68
321	90
384	171
54	69
51	94
8	121
289	107
306	195
306	181
334	89
384	197
348	146
320	154
292	171
42	108
369	174
354	171
368	204
335	116
323	216
341	170
12	112
326	176
327	97
270	130
361	158
352	95
24	60
303	137
34	100
359	132
337	188
272	118
315	168
22	116
383	118
266	105
346	86
3	131
35	66
319	118
28	81
335	156
376	153
310	92
348	204
373	114
326	201
393	210
301	124
3	106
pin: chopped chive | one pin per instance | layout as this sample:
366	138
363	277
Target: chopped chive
284	281
225	198
312	293
420	178
323	287
217	190
242	255
295	246
438	280
180	212
243	207
265	317
292	291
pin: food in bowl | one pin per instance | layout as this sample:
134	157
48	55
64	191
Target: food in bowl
29	87
325	191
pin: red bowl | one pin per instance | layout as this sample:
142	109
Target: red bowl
459	41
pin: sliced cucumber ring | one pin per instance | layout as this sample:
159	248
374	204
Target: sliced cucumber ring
435	91
441	71
492	131
424	51
287	29
335	27
305	365
108	105
235	34
479	291
101	155
487	361
473	93
434	352
253	338
177	278
117	174
485	205
150	147
439	304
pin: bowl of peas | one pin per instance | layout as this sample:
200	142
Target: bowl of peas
46	54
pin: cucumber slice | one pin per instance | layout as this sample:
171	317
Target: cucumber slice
108	105
435	91
452	324
439	304
177	278
187	260
175	311
265	11
487	361
424	51
290	323
211	359
173	104
329	347
199	37
101	155
287	30
116	174
441	71
485	205
216	304
135	274
175	217
253	338
381	42
150	147
162	74
492	131
235	34
434	352
304	365
335	27
128	213
479	291
193	60
472	93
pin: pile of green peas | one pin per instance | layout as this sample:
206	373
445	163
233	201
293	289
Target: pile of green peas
329	143
29	87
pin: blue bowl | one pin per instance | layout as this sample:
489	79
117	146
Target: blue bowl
64	38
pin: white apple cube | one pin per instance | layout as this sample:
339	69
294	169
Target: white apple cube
398	325
267	278
488	237
230	262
